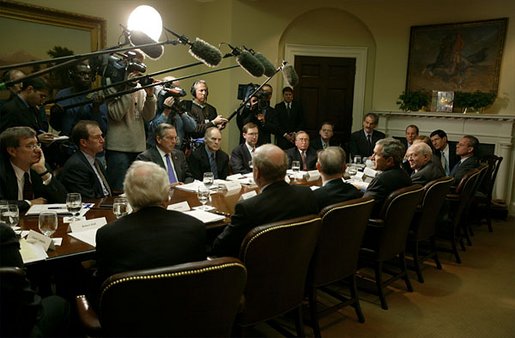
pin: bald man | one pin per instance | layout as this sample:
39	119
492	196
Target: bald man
420	159
277	201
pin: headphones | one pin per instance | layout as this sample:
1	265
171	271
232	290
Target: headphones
193	89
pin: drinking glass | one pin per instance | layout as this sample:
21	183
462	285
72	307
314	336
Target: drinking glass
47	223
120	207
203	196
295	166
208	179
10	214
74	204
357	159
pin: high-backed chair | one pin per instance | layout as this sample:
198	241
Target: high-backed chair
451	227
423	225
385	237
198	299
336	255
277	258
483	196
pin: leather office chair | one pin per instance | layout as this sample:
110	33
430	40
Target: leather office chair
423	225
198	299
451	228
277	258
385	237
336	255
483	196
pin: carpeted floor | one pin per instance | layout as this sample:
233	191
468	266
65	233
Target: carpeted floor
472	299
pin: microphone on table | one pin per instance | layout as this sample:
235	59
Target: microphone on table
247	61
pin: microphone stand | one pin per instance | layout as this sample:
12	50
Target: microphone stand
242	105
132	90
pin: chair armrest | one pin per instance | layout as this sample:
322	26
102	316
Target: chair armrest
87	316
375	222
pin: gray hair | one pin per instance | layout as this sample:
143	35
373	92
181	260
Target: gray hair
392	148
10	138
422	148
146	184
270	170
332	160
162	128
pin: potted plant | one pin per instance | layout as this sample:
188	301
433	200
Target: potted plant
475	101
413	101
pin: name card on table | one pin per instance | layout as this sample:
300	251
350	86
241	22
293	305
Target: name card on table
231	186
370	172
181	206
248	195
312	175
89	224
39	239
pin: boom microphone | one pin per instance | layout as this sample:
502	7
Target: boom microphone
290	75
140	38
203	51
247	61
269	68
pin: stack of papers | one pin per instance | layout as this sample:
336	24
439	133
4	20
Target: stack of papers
60	209
193	186
242	179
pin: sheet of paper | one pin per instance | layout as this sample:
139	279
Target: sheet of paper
31	252
181	206
37	238
59	208
248	195
88	224
191	187
88	236
314	187
204	216
313	175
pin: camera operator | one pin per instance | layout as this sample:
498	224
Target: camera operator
261	114
126	124
169	111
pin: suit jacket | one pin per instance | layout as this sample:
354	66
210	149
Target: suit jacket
287	123
430	172
311	157
54	192
77	175
359	144
240	158
149	238
16	113
335	191
279	201
453	158
460	169
316	143
266	128
179	162
384	184
199	163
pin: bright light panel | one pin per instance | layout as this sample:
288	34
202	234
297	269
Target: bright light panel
147	20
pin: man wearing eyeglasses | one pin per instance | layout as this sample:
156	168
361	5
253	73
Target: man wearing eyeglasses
166	156
24	176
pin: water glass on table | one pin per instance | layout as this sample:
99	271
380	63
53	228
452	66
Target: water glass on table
47	223
208	179
203	196
74	204
9	214
120	207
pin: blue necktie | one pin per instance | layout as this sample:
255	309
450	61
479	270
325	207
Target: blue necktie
171	174
212	164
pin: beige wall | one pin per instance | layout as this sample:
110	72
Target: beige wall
267	25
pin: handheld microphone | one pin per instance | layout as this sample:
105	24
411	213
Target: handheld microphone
290	75
247	61
203	51
140	38
269	68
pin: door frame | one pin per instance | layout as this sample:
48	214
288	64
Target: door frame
358	53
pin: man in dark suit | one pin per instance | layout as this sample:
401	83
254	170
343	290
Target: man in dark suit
289	117
261	114
166	156
387	158
466	150
362	142
151	236
277	201
325	140
210	158
419	157
242	154
331	165
83	172
302	152
24	177
411	133
445	150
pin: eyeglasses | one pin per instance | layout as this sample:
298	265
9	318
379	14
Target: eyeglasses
33	146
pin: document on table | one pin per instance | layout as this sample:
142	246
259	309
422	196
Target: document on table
59	208
86	231
193	186
31	252
204	216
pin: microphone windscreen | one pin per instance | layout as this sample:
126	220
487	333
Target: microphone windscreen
290	75
248	62
267	65
206	53
139	38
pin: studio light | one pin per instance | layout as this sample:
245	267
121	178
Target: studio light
147	20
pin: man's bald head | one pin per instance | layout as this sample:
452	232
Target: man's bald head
270	163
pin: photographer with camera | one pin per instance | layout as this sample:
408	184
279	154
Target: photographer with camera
169	111
126	124
261	114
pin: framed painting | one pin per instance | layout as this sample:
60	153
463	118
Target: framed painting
33	31
463	57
